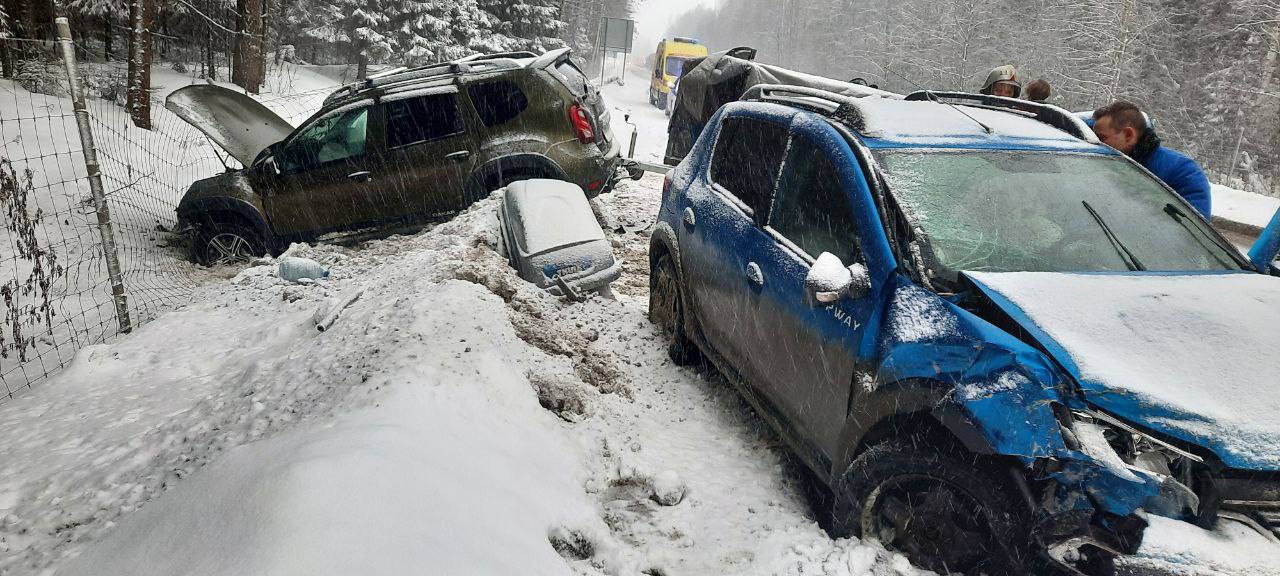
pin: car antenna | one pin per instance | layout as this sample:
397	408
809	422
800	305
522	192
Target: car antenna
934	98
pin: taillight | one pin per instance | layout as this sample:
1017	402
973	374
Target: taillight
582	124
666	185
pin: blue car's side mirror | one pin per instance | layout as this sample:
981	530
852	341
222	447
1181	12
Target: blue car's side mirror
1264	250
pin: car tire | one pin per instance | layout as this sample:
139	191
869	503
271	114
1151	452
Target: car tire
666	310
227	242
944	508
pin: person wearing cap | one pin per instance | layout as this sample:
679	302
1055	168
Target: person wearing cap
1123	126
1002	81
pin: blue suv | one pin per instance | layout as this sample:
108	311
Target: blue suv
1001	344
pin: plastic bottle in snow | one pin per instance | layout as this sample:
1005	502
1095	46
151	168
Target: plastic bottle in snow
293	269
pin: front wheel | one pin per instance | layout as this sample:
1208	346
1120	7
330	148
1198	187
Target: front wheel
945	509
227	243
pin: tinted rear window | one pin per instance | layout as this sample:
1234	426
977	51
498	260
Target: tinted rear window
574	78
748	154
498	102
422	119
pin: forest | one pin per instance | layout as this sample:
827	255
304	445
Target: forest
236	40
1204	70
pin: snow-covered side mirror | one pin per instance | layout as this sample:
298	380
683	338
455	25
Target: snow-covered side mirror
829	280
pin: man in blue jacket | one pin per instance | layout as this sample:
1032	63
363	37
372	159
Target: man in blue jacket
1121	125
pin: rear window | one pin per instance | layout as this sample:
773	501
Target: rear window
422	119
572	77
498	102
747	156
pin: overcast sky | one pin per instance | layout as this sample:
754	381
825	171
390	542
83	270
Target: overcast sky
652	17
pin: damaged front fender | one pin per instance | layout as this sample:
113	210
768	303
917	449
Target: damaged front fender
1010	396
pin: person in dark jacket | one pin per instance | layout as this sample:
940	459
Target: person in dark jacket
1121	125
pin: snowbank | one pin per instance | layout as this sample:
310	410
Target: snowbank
455	419
1243	207
456	468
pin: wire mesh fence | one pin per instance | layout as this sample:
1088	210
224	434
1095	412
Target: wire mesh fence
54	279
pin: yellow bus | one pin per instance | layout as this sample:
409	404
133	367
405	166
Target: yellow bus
668	61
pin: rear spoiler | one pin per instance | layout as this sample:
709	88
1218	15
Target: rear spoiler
553	57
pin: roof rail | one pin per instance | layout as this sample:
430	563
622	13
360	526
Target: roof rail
520	54
1045	113
440	70
839	106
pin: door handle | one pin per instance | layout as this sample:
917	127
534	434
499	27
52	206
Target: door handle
361	176
754	274
458	156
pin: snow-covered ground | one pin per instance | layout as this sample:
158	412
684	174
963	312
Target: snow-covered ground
144	173
453	416
454	419
1247	208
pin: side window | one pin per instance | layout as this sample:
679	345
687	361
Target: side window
422	119
812	208
497	102
747	156
336	137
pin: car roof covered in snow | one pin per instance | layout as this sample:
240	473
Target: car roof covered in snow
893	123
444	72
932	119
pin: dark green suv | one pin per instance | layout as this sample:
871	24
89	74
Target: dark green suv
403	148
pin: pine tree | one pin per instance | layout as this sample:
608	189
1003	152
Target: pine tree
105	12
533	25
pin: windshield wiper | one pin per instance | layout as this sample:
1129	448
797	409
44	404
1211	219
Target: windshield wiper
1130	260
1182	217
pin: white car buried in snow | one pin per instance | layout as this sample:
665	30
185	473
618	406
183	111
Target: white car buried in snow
551	237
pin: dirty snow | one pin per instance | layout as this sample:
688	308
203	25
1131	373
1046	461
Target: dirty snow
1194	342
230	437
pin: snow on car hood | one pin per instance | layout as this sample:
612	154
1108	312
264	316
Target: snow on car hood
552	214
239	124
1190	355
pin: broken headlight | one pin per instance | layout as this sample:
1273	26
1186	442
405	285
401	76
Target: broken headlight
1120	446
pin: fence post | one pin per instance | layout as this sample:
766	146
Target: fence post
95	176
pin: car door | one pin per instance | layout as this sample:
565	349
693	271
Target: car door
328	174
720	211
808	352
430	153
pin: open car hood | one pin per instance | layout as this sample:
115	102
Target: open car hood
239	124
1194	356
